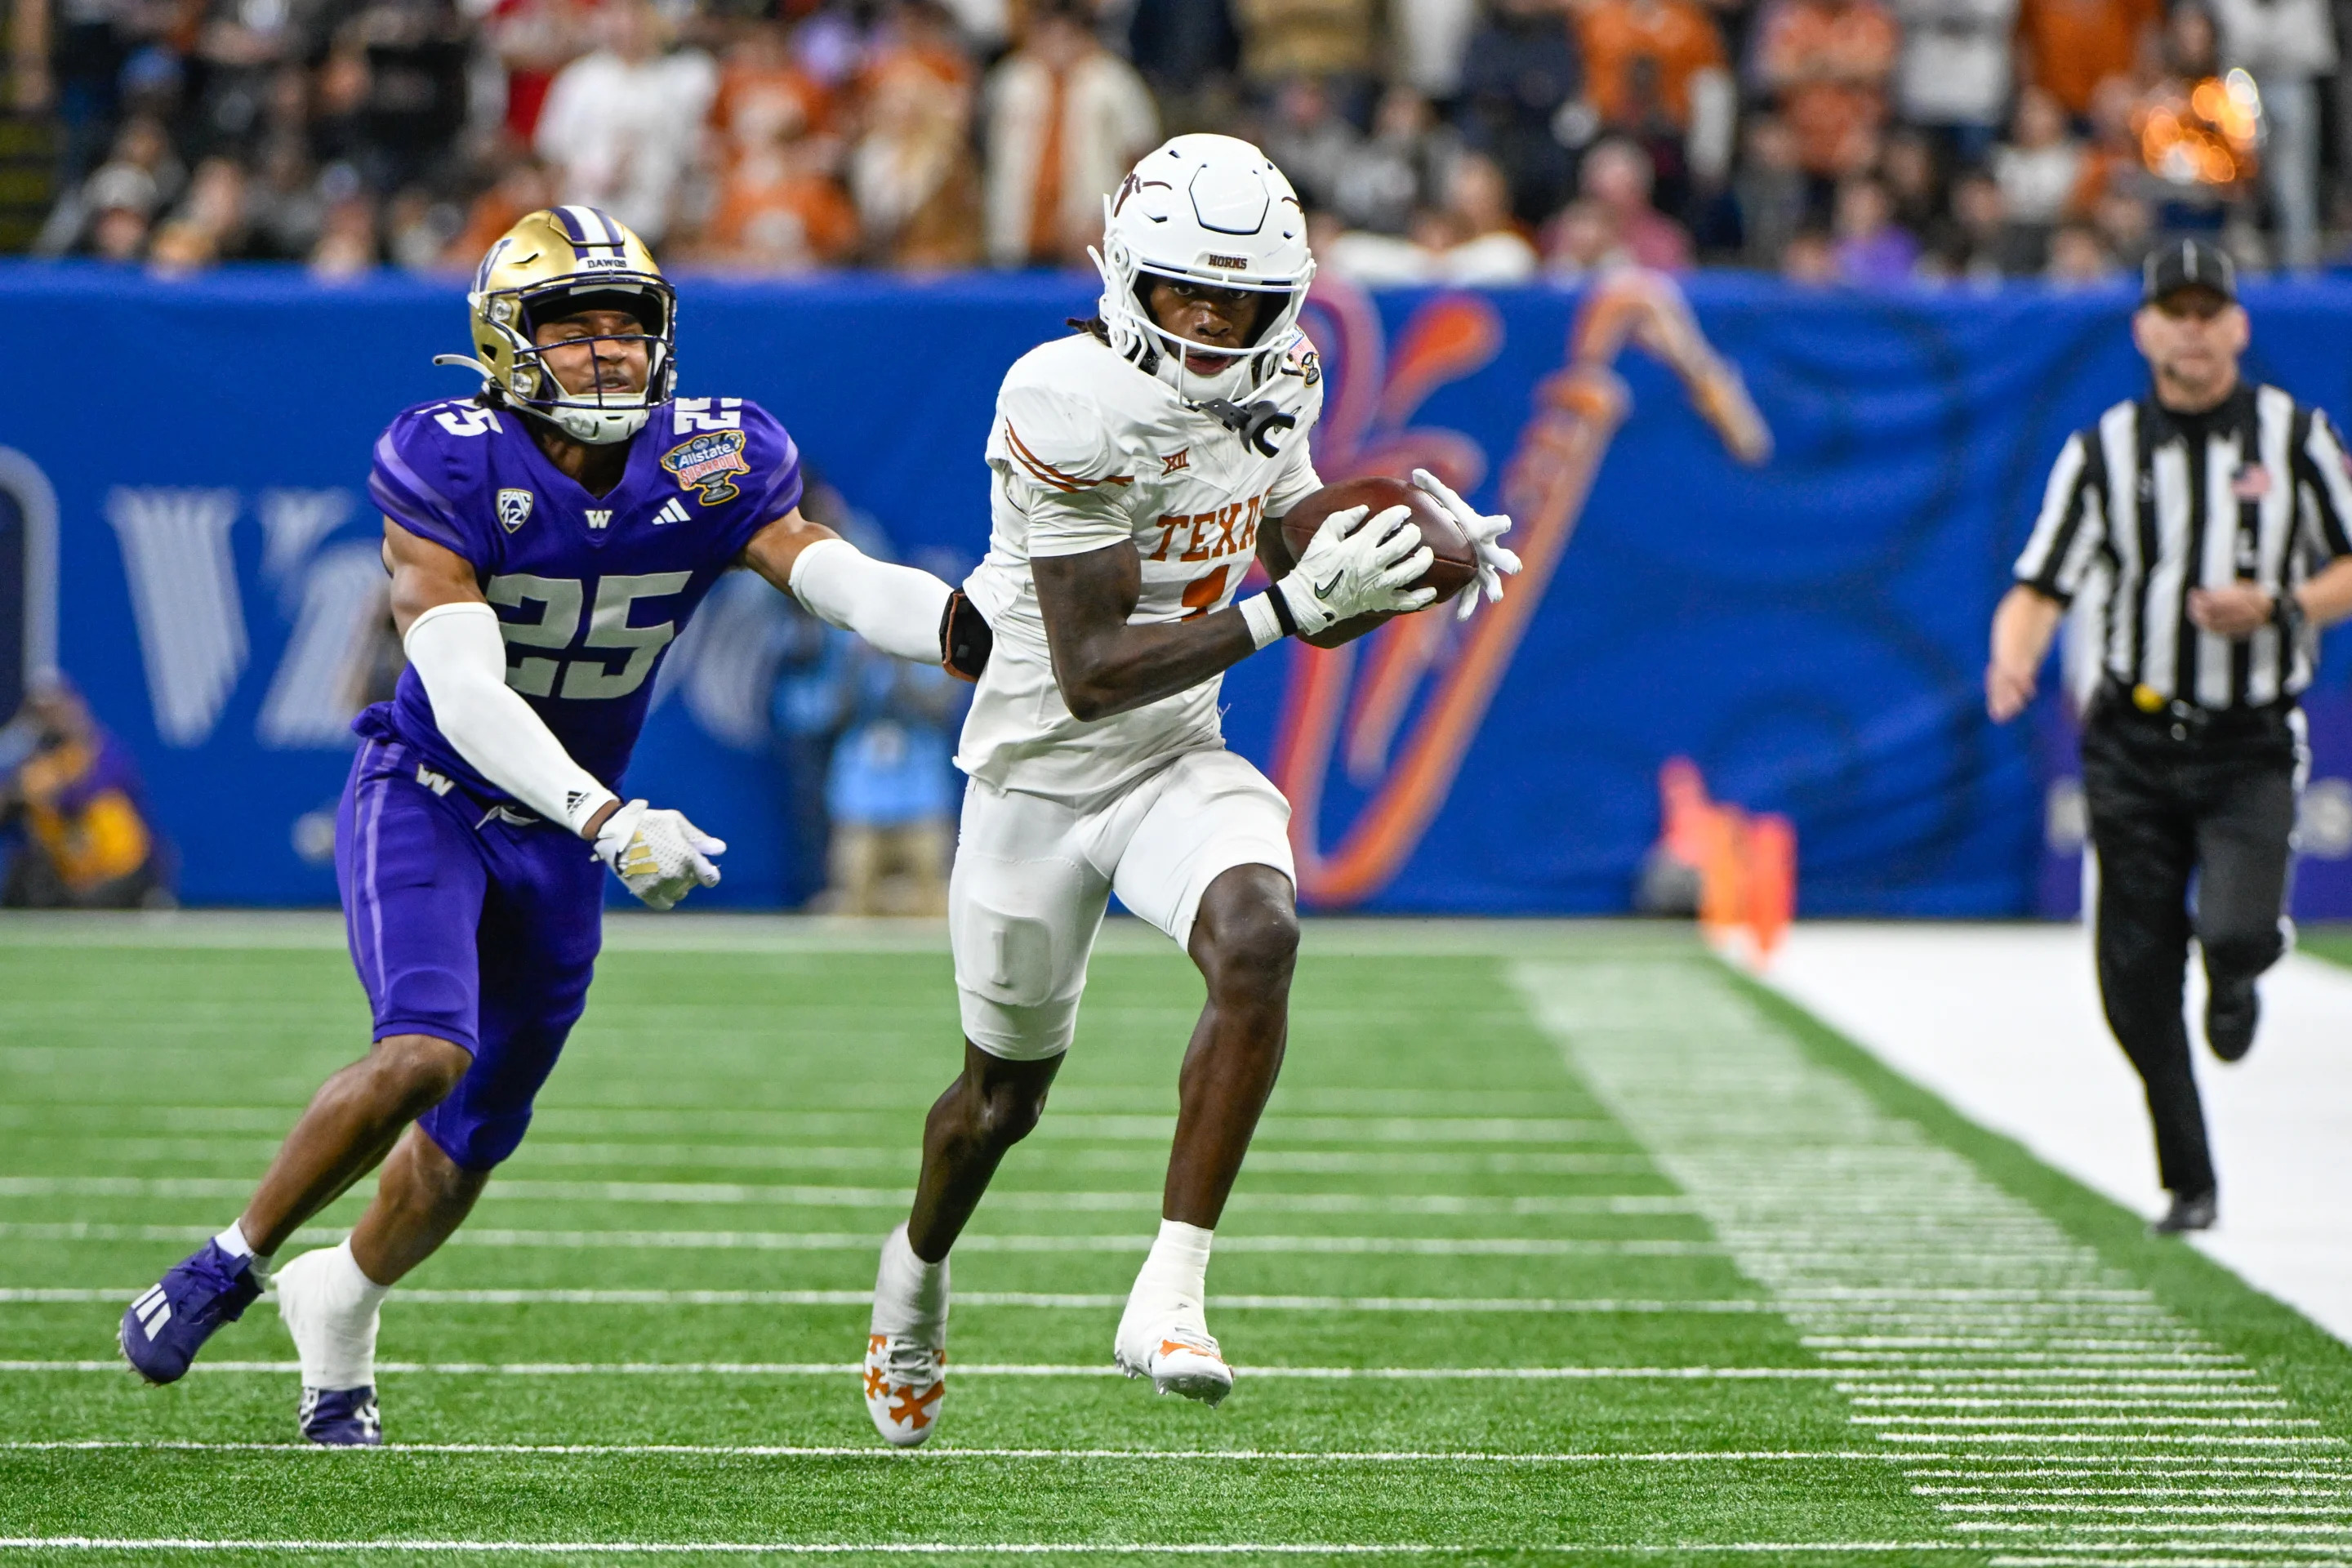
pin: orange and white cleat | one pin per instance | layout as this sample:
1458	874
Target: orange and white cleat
905	1380
1179	1358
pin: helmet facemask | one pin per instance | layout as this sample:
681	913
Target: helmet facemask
1137	335
601	415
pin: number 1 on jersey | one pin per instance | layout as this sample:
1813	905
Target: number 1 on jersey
1201	594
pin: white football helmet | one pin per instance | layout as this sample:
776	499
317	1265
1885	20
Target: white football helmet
1214	210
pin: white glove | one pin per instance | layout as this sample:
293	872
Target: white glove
659	856
1352	568
1495	562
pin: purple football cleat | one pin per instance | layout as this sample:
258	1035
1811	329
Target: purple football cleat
166	1326
342	1417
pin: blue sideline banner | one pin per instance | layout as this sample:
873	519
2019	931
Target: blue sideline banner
1765	527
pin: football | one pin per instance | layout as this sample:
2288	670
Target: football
1456	561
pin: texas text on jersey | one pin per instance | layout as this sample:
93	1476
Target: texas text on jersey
1088	449
592	589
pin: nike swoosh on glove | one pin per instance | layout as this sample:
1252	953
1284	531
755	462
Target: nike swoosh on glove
1354	567
1495	562
659	856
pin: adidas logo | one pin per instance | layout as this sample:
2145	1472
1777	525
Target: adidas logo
672	510
153	1311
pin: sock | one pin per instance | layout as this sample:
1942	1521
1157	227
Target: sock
232	1241
336	1339
910	1296
1174	1279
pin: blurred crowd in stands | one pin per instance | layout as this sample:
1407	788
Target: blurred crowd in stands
1468	141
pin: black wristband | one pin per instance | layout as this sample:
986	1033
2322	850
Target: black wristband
2286	614
1283	617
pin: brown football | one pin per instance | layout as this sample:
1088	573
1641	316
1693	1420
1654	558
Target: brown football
1456	561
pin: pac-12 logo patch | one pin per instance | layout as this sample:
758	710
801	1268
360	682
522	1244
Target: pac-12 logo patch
514	508
709	463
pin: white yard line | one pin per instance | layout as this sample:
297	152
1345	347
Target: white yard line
859	1241
896	1130
986	1369
1884	1249
241	1144
932	1452
1737	1305
526	1190
2003	1021
964	1549
817	935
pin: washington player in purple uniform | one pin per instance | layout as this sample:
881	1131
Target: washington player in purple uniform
548	539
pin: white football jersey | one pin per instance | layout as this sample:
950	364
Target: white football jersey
1088	451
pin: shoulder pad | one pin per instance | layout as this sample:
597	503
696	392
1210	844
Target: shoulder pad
1055	437
428	467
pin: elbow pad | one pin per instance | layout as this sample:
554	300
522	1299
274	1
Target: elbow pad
460	654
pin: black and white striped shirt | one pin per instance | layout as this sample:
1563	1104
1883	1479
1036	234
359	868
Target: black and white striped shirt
2255	490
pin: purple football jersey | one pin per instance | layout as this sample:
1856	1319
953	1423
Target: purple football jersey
591	590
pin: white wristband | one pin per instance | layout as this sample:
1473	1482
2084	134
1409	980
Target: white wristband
1264	623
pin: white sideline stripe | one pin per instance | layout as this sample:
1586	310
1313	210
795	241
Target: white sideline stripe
2207	1439
2178	1554
2003	1021
1818	1192
960	1549
1735	1306
2123	1492
2199	1399
928	1453
524	1190
2221	1421
2237	1510
985	1368
2006	1560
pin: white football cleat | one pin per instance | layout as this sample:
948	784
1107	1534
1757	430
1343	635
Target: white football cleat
906	1383
1179	1358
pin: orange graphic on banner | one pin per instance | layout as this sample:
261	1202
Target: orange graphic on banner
1578	411
1744	864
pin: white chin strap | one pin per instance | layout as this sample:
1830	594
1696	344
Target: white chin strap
598	427
1195	386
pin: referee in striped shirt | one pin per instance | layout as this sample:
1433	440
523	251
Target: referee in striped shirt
2217	513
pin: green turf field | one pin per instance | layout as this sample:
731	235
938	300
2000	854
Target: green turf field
1558	1244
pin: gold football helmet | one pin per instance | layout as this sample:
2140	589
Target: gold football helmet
552	264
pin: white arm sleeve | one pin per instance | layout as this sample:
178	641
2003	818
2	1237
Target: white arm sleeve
461	656
895	608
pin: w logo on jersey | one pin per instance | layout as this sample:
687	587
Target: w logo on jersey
514	508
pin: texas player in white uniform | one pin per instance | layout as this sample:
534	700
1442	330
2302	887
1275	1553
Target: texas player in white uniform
1138	466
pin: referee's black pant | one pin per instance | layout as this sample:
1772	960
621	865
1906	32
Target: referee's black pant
2172	798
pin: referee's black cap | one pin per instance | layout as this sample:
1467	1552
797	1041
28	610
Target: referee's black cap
2188	264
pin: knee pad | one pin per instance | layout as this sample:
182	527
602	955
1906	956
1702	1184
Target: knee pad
1022	932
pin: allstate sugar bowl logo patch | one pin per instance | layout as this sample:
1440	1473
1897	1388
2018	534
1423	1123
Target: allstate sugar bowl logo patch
709	463
514	508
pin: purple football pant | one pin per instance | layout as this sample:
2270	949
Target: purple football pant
468	927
